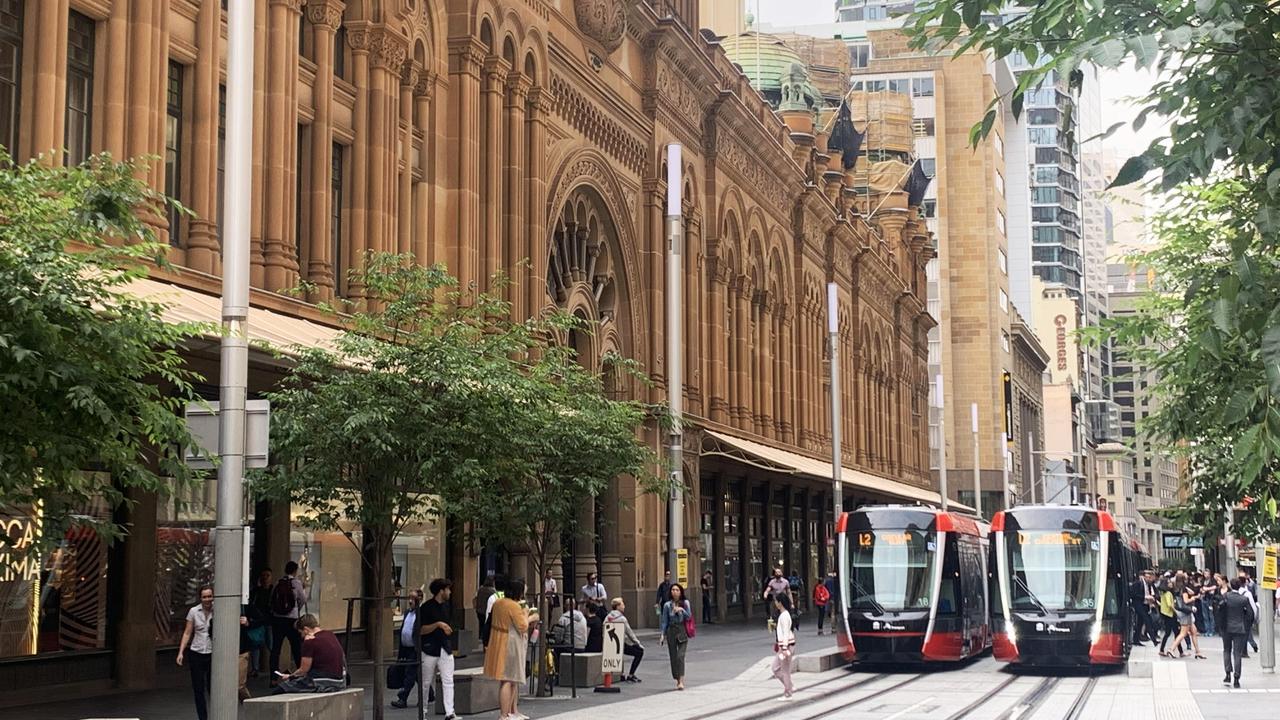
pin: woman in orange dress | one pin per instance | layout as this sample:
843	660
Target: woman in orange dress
504	657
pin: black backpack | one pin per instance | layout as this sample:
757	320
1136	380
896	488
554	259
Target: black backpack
283	598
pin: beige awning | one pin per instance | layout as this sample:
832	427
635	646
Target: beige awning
790	463
278	330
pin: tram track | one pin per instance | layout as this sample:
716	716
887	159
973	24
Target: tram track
829	693
828	711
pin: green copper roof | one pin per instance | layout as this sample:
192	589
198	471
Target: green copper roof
764	59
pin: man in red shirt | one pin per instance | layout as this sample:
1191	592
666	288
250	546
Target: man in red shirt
322	658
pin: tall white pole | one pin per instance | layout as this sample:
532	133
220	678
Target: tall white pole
1266	612
833	328
1007	460
977	463
234	364
942	441
675	371
1029	471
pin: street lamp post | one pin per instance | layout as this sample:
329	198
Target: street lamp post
833	327
977	463
1007	459
942	441
675	380
234	364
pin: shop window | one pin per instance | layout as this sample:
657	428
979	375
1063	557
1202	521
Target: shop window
10	71
58	602
922	87
79	110
859	55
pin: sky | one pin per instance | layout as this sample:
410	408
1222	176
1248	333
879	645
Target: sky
1116	86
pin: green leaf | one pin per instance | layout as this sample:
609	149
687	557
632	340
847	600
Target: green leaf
1273	181
1133	170
1271	355
1145	49
1104	135
1247	445
1224	315
971	11
1109	54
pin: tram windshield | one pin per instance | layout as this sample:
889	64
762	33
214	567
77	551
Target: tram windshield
1053	570
890	570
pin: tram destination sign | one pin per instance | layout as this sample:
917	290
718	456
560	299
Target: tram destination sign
1180	541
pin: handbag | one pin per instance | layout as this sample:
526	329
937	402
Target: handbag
690	628
257	636
395	676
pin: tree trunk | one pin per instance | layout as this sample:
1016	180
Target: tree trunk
544	612
377	613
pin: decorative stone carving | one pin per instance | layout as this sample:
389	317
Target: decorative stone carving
675	91
325	13
604	21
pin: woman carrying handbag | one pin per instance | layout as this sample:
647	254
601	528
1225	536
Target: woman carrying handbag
677	627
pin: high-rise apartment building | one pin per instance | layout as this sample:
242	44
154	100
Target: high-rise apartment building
1154	475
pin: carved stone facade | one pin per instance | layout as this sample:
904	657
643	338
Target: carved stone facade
486	134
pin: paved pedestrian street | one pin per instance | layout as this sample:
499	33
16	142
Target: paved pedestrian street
1186	689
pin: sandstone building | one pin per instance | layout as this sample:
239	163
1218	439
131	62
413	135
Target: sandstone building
482	134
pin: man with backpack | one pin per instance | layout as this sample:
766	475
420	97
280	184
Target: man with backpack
288	596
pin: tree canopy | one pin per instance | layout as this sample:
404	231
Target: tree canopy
1215	319
90	377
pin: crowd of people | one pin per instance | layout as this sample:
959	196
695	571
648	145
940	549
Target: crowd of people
1186	606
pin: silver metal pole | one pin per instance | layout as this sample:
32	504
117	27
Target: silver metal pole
1007	460
1229	565
675	375
1029	472
977	463
833	329
1266	612
942	442
234	364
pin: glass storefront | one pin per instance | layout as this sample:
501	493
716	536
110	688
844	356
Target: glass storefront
55	603
732	577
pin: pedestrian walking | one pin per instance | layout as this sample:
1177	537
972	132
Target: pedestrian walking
438	641
821	596
664	591
1168	617
676	627
288	596
406	649
1185	596
833	605
196	639
504	657
708	589
631	646
260	600
551	591
1209	602
1249	589
253	633
1236	616
776	584
784	644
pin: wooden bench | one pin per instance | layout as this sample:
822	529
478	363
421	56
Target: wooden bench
342	705
473	693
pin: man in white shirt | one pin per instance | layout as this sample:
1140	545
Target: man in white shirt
1244	590
594	592
571	625
408	645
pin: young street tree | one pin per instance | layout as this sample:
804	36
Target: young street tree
1218	89
90	378
568	442
432	397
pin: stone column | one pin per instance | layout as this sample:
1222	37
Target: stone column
135	639
694	379
656	266
538	110
203	241
409	75
385	60
280	265
717	339
358	240
743	378
466	56
117	98
257	262
48	92
516	231
787	413
325	17
491	162
423	211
